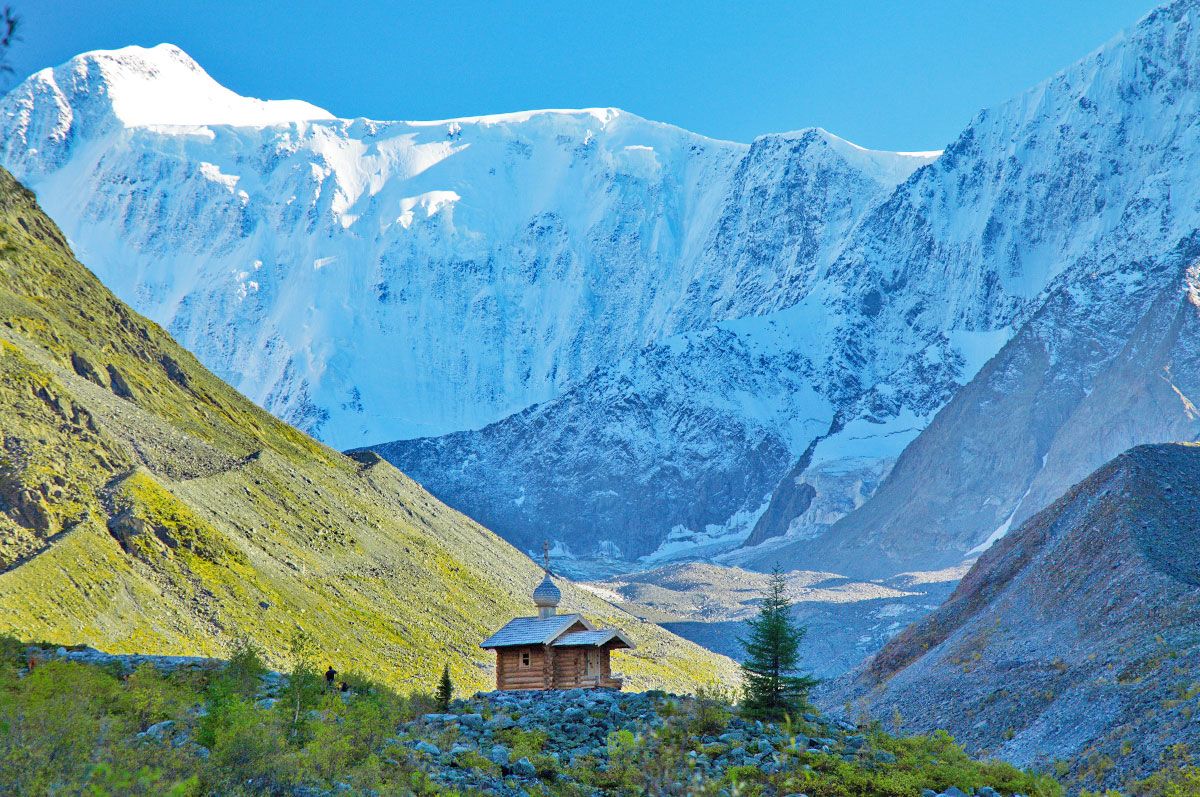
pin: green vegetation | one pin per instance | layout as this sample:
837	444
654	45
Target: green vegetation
445	690
70	728
73	728
887	766
771	687
146	506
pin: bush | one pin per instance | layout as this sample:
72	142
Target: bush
245	667
70	728
710	712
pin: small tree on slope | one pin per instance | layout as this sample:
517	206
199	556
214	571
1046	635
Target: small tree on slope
772	685
445	690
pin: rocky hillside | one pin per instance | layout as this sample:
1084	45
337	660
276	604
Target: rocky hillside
670	452
217	728
145	506
1074	639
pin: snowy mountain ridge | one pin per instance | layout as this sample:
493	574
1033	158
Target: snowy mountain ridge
552	241
1066	189
586	326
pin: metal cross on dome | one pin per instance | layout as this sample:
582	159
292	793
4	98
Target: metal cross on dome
546	555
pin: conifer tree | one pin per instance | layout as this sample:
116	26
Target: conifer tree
445	690
772	685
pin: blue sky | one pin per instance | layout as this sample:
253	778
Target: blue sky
900	74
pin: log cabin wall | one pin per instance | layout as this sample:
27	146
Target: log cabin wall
568	668
553	668
513	673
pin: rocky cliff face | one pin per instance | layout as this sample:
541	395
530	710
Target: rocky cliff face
1107	362
1072	637
1068	217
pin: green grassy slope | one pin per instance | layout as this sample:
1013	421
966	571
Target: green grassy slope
145	506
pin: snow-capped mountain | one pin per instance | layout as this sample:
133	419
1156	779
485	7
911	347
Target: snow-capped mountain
611	332
1063	194
367	280
676	448
1071	215
381	280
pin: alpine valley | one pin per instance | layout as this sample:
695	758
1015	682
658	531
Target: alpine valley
680	361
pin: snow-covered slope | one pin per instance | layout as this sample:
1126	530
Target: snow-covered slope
609	331
387	280
1068	214
369	280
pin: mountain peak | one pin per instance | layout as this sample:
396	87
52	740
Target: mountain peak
163	85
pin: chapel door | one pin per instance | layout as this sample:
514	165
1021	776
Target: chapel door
593	662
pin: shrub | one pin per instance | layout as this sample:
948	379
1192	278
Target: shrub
245	667
710	712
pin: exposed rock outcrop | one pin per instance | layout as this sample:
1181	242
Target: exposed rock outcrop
1075	637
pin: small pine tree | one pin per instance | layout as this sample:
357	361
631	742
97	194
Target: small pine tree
772	686
445	690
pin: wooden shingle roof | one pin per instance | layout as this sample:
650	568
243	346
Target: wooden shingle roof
534	630
594	639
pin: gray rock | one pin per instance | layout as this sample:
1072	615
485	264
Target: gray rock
524	768
425	747
158	731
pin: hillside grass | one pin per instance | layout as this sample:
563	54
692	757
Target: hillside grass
146	506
